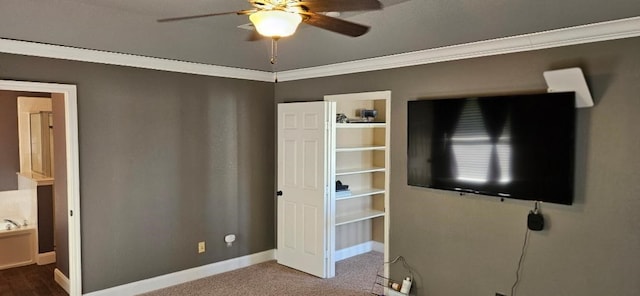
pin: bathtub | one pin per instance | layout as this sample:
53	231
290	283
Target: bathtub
17	246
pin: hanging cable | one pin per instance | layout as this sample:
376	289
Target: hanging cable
524	248
383	281
404	264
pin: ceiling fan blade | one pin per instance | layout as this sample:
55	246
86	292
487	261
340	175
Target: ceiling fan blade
340	5
241	12
335	24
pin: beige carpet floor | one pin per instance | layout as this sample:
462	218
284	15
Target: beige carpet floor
354	277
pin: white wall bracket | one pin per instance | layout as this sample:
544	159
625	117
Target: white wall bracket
571	79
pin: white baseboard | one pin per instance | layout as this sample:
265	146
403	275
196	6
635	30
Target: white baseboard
187	275
62	280
46	258
358	249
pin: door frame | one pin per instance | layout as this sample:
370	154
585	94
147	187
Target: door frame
73	169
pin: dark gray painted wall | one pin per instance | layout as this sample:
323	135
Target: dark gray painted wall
471	245
61	218
9	147
45	219
166	160
170	159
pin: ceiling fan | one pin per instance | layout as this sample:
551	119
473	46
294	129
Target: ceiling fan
280	18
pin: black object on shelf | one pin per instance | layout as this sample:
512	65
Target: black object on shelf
341	187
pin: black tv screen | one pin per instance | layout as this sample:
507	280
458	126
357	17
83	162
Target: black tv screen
518	146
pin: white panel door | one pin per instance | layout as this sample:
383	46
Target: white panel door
303	179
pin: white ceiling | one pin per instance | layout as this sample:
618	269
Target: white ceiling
402	26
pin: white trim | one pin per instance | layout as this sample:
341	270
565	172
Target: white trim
359	250
187	275
61	280
46	258
73	168
609	30
329	194
121	59
378	247
73	190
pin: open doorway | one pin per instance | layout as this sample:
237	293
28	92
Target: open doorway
65	96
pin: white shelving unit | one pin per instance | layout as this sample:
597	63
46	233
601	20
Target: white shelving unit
365	214
361	154
353	171
361	125
362	192
365	148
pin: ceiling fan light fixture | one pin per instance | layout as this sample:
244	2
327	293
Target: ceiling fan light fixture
275	23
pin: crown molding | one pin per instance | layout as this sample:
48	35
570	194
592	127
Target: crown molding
603	31
113	58
610	30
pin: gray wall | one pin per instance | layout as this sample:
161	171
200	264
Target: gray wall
471	245
61	216
45	219
9	148
170	159
166	160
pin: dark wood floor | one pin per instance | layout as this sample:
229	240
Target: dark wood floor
30	280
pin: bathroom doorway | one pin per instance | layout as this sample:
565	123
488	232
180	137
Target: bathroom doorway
66	97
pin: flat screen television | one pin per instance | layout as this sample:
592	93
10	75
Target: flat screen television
516	146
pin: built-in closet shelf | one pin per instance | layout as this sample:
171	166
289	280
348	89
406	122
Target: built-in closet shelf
360	158
358	216
365	148
353	171
362	193
361	125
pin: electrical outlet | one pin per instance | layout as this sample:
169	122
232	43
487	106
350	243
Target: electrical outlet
201	247
229	239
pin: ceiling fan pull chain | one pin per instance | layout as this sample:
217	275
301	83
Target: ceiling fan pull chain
274	56
274	50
